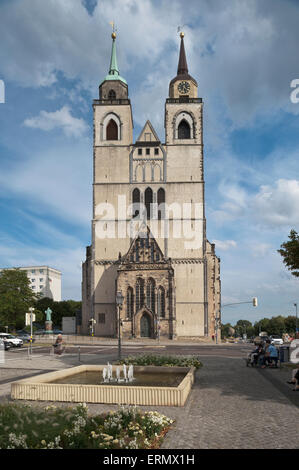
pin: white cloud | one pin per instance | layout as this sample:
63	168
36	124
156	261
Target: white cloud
62	118
56	180
224	244
277	205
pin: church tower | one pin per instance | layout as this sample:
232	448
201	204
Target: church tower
155	252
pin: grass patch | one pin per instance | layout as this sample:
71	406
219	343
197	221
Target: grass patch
25	427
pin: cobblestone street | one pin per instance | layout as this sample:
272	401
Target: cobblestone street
235	407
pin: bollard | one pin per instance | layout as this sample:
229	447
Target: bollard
79	354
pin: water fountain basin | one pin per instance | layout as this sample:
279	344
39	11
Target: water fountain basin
153	389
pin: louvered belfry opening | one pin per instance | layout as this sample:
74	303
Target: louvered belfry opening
112	130
184	131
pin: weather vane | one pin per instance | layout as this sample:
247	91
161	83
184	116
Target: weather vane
180	29
113	26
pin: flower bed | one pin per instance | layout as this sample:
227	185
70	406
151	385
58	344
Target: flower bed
26	427
157	360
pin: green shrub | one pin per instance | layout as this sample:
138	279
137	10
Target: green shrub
157	360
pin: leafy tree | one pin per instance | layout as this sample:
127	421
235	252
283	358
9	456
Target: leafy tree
262	325
16	296
290	324
226	330
290	253
65	308
244	327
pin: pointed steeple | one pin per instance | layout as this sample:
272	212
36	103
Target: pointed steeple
113	62
186	90
113	70
182	65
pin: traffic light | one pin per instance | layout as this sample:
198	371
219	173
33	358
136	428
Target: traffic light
254	301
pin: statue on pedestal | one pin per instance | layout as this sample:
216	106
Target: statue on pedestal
48	323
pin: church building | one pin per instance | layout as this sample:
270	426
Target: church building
149	228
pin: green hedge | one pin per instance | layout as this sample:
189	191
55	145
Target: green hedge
159	360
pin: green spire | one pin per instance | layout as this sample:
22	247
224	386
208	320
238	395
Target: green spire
113	71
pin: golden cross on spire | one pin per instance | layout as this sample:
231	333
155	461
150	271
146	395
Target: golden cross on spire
113	29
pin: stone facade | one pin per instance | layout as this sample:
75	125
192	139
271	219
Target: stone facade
156	253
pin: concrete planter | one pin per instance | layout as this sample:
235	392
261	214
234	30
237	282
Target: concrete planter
39	388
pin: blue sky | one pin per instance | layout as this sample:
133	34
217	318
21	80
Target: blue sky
244	56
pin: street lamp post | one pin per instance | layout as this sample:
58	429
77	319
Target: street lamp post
119	303
296	327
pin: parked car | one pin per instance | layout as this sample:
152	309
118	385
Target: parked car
275	339
24	335
13	340
4	345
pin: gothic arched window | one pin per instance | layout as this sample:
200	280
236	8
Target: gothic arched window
112	130
111	95
161	302
136	202
139	294
161	204
184	131
150	295
130	303
148	199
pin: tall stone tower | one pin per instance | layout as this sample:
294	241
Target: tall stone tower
149	228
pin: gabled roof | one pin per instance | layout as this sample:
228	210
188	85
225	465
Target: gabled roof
151	134
144	249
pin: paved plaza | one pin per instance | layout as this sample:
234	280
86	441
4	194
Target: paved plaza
231	406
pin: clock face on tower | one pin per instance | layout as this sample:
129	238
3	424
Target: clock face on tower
184	87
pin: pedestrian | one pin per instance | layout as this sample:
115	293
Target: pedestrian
295	380
58	345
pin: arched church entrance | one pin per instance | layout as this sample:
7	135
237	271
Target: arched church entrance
145	326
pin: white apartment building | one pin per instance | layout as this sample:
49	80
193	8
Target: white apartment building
44	280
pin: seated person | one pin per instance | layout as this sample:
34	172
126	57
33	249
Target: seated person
272	355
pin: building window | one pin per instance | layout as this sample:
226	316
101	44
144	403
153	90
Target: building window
150	295
161	204
184	131
139	151
41	271
102	318
41	287
112	130
156	151
148	199
148	151
136	200
111	95
130	303
161	302
139	294
33	271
